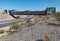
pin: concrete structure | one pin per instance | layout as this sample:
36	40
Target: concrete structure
5	16
50	10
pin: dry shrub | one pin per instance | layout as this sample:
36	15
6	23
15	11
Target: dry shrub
47	38
15	26
58	16
2	31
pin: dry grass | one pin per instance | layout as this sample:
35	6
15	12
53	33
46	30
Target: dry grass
47	38
2	31
17	17
58	16
15	26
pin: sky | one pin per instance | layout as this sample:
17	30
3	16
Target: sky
29	4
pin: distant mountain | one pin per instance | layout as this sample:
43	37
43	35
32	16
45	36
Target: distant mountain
27	12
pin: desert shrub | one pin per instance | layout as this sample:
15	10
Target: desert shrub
40	16
29	21
17	17
22	24
58	16
2	31
15	26
47	38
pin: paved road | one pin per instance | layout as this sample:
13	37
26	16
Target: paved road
10	22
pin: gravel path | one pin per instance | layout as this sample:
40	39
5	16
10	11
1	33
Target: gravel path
31	33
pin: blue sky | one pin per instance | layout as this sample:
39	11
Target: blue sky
29	4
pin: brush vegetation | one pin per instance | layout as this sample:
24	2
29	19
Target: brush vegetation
58	16
15	26
2	31
47	38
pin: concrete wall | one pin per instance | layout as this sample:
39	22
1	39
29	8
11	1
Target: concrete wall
5	16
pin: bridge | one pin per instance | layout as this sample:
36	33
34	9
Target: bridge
49	10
